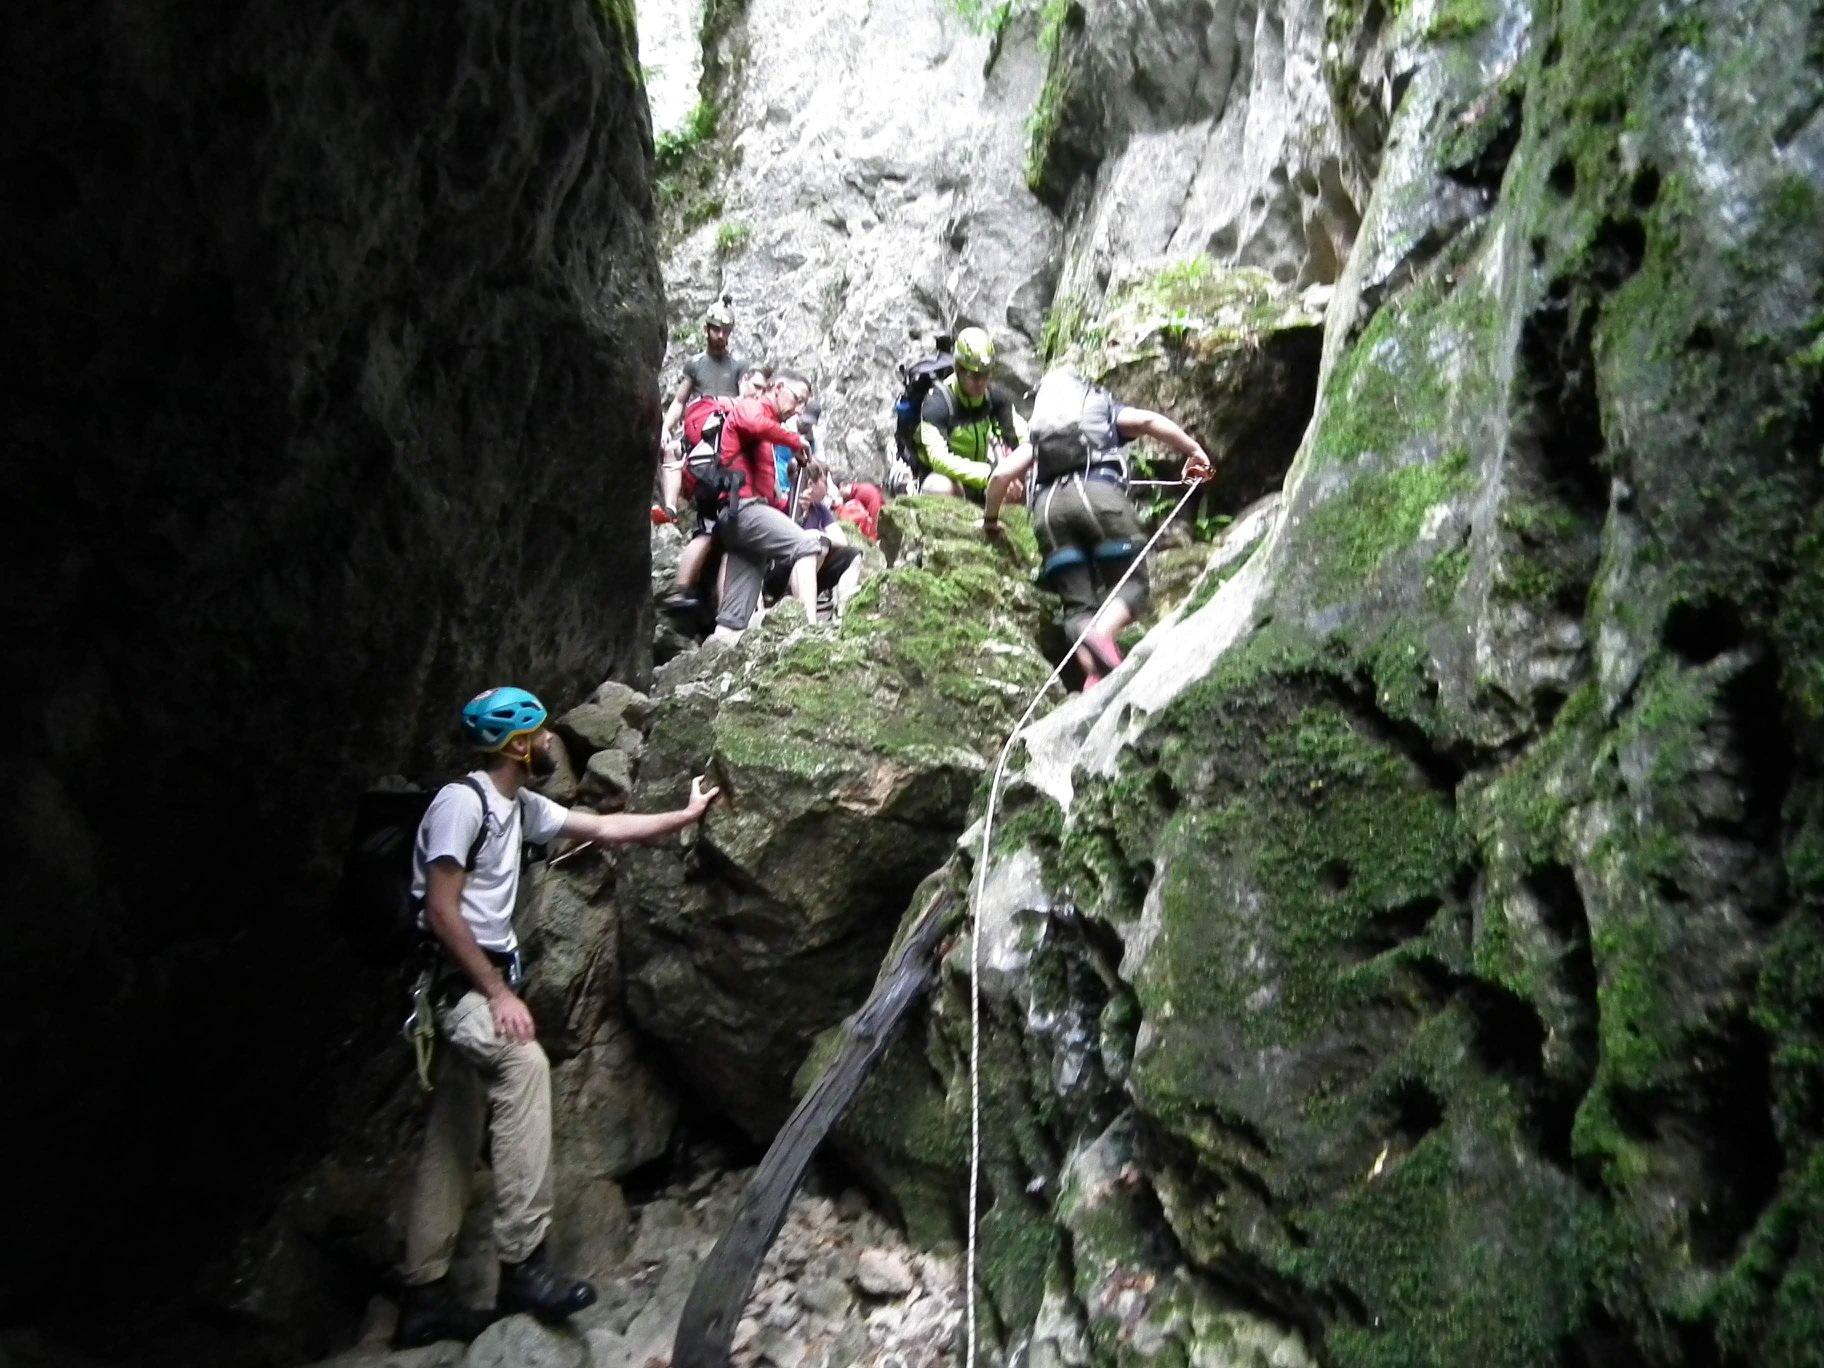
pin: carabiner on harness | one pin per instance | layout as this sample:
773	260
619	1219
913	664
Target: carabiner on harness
420	1029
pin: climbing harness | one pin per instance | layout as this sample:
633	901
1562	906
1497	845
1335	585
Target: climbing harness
975	920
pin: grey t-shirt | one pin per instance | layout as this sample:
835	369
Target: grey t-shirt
721	378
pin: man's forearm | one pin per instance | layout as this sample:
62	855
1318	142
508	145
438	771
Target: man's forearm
1010	468
628	828
996	495
1168	433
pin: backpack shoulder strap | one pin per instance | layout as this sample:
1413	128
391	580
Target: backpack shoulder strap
474	786
939	387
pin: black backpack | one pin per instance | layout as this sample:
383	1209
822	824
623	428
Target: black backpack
378	913
916	379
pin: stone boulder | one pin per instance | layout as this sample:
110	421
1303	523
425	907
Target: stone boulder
1231	356
847	756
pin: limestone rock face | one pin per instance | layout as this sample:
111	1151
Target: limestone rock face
847	757
330	348
869	177
1411	955
870	194
1181	130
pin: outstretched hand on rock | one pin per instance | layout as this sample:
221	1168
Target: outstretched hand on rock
701	797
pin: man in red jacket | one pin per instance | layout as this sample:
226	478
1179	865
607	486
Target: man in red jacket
754	531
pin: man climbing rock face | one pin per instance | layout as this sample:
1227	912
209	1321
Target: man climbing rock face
1088	531
714	371
491	1072
966	421
754	532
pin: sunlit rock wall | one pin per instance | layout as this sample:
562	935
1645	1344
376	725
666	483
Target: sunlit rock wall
864	175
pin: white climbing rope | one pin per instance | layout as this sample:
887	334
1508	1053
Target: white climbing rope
975	925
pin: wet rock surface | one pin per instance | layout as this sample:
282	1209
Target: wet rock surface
1400	960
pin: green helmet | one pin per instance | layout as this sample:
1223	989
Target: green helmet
974	350
721	314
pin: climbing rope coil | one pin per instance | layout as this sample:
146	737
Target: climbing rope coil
975	921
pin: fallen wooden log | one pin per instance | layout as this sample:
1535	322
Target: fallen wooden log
723	1284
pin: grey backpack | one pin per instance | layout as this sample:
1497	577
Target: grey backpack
1072	428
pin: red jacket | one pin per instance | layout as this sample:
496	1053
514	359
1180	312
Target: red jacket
747	445
868	496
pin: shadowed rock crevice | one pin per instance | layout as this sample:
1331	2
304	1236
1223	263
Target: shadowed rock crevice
346	315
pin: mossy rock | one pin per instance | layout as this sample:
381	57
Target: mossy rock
1229	354
847	755
1450	939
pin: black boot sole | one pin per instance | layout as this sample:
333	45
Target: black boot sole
580	1300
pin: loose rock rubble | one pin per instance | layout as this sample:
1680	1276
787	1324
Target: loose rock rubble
840	1288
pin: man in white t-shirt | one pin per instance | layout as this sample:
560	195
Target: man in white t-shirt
492	1073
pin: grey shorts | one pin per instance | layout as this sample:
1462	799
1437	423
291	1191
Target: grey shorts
753	537
1088	534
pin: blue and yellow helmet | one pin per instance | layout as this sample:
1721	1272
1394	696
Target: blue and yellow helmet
495	716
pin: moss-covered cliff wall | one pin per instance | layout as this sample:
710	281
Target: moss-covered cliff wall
1414	956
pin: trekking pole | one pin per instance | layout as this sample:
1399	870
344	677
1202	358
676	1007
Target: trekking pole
791	504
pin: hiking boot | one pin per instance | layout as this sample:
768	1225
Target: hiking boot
681	605
430	1313
662	515
533	1286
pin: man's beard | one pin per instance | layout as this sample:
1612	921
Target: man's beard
542	763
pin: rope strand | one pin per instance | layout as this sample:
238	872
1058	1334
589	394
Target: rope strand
975	927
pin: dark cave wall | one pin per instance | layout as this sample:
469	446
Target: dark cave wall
332	340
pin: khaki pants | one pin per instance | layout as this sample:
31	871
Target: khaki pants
483	1082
